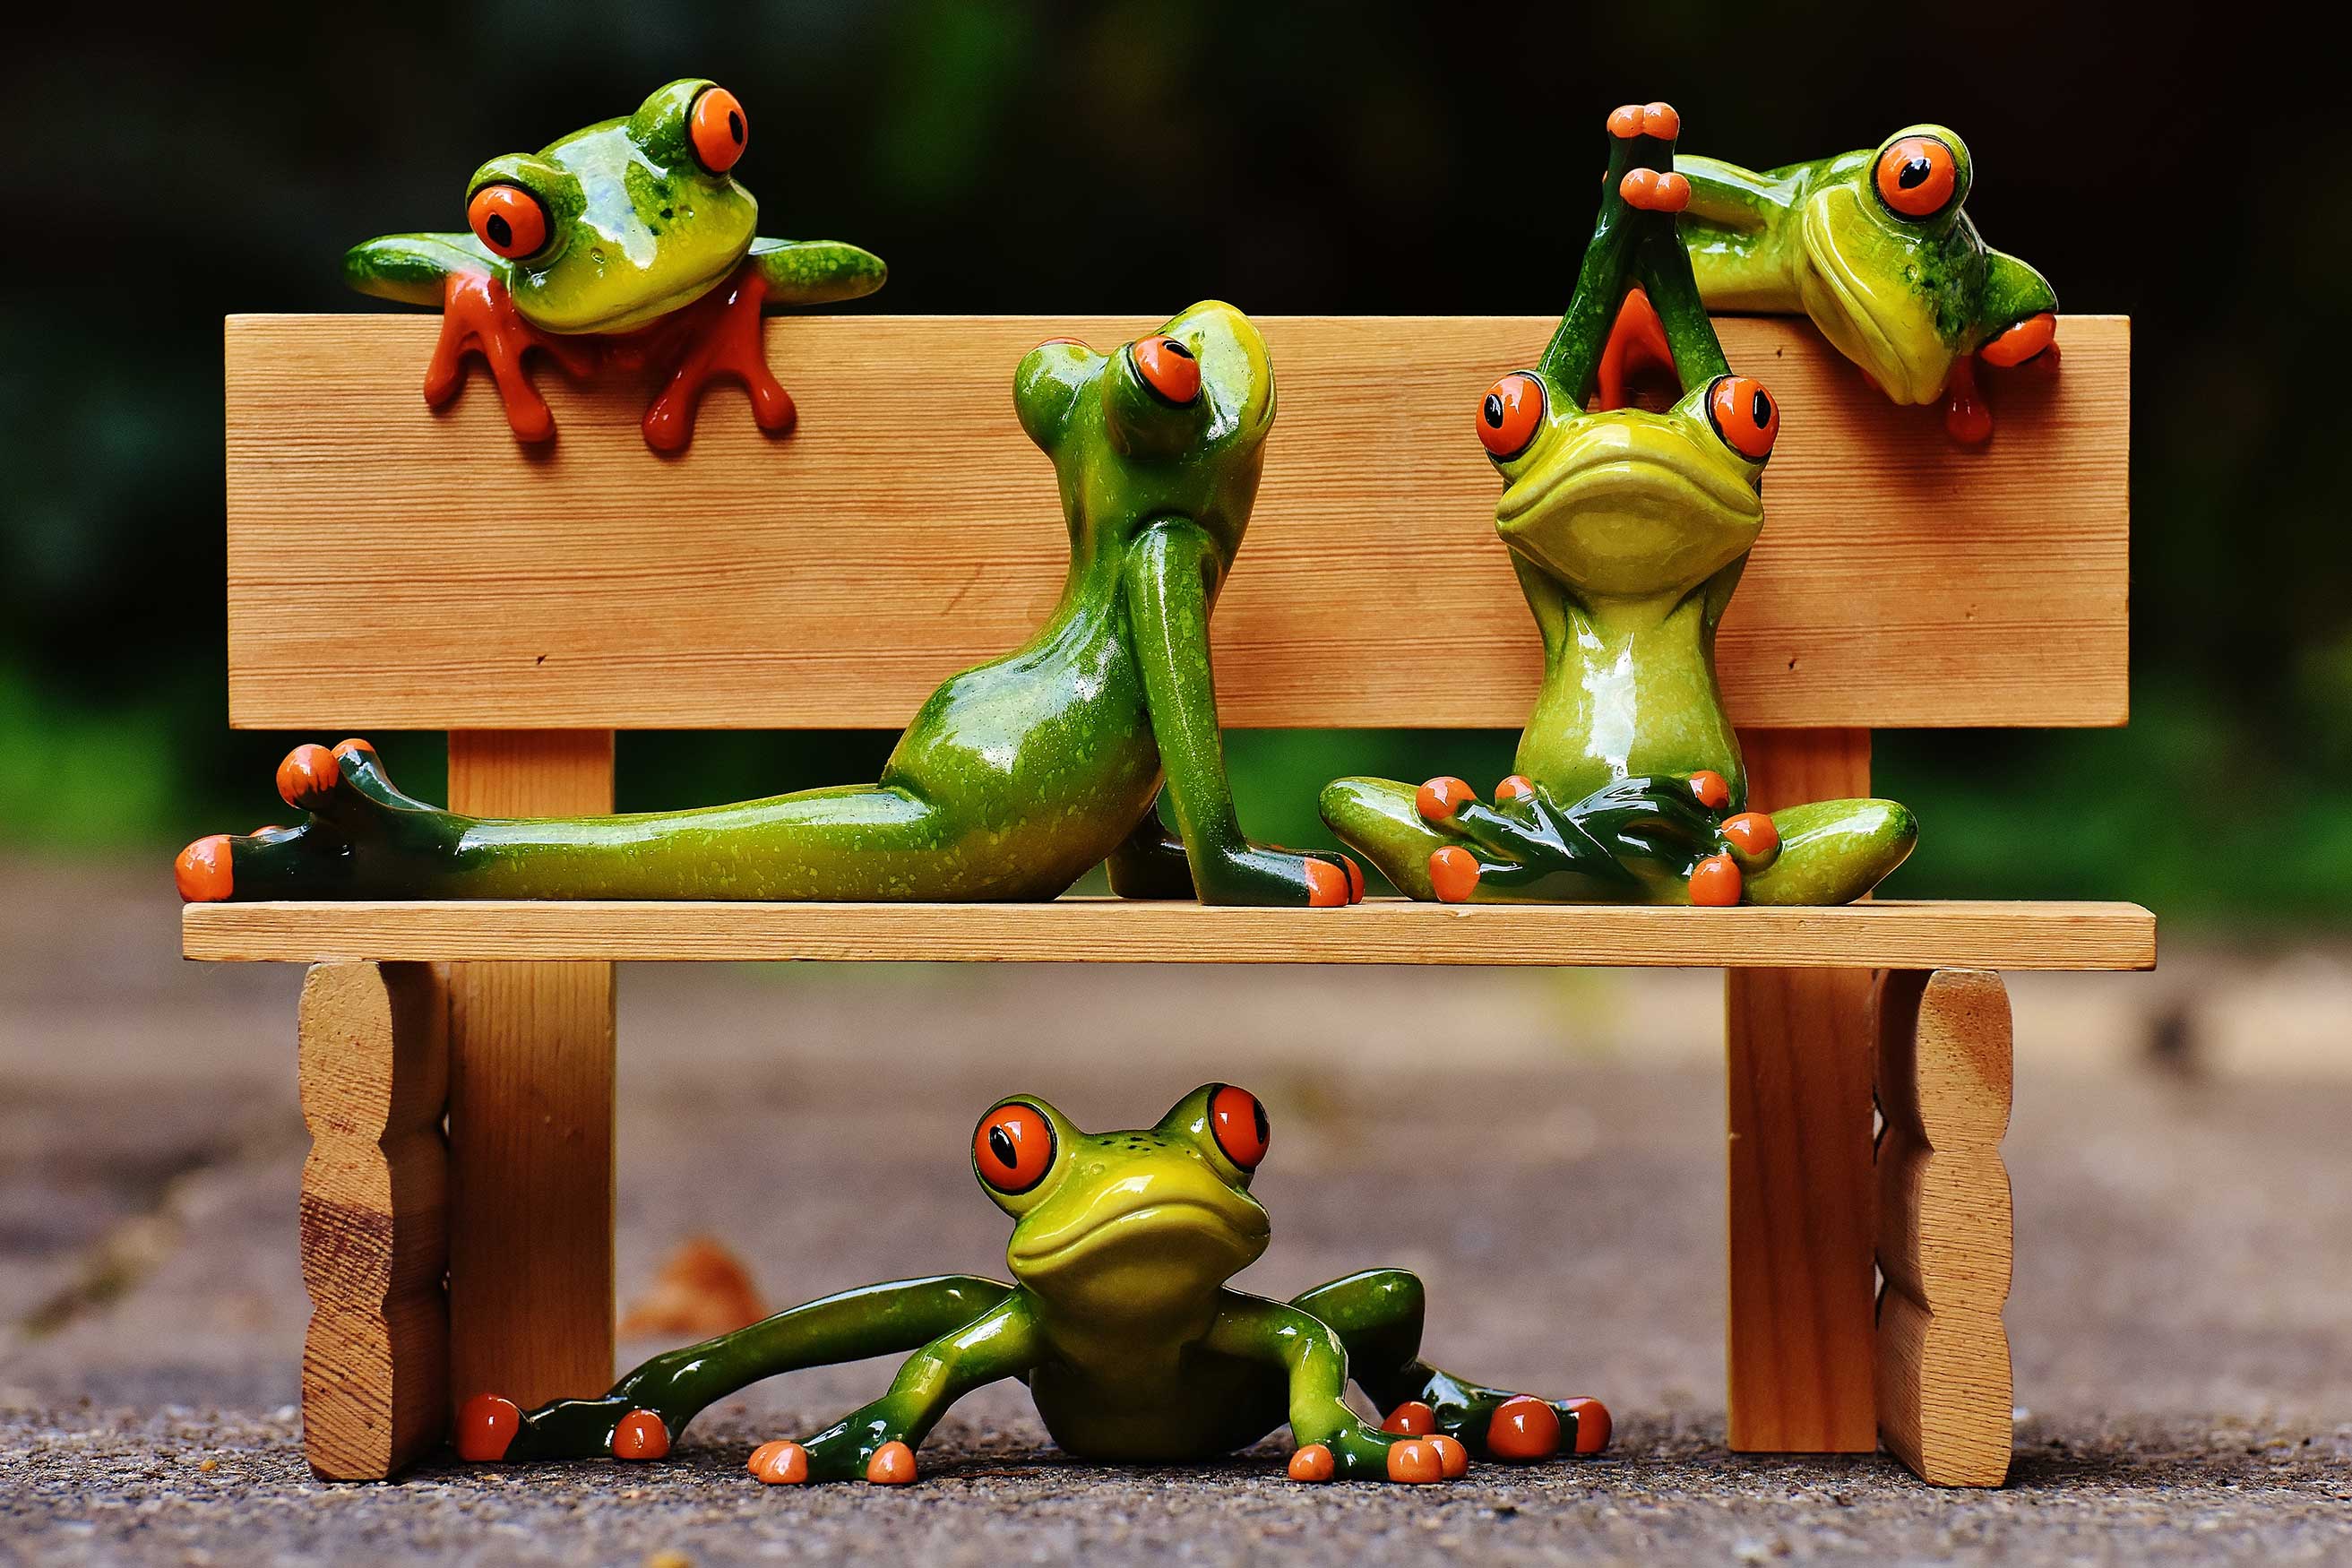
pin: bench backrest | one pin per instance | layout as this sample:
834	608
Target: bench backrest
394	568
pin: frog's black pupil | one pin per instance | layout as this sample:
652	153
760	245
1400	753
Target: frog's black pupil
501	231
1915	173
1493	411
1762	411
1263	1131
1179	350
1000	1143
735	126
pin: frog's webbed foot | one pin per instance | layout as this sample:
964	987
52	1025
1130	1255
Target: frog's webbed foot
723	338
1496	1424
490	1429
1360	1453
477	315
785	1463
1266	874
358	832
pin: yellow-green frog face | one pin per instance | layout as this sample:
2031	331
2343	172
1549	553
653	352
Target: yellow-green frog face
624	222
1110	1225
1627	503
1894	272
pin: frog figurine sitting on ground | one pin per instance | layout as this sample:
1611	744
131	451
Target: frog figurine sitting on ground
1120	1320
630	242
1629	529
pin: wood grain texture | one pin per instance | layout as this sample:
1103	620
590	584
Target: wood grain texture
1889	933
396	568
1798	1334
1945	1225
372	1058
531	1114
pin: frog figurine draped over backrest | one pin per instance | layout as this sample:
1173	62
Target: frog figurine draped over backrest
1629	529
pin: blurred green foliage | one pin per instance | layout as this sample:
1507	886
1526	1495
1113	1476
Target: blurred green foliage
1384	156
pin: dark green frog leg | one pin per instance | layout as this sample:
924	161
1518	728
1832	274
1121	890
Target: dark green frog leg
1170	569
674	1387
816	271
1152	864
1377	1316
1314	1358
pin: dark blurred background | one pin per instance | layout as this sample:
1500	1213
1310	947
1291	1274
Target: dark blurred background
1132	157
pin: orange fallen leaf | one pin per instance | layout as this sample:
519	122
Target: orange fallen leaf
702	1290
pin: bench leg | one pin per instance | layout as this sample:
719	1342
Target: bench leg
1798	1334
374	1065
531	1114
1945	1241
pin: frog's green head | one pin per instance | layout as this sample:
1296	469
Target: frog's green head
1896	275
1624	502
1125	1224
620	224
1171	425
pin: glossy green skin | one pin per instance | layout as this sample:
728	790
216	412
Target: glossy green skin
1014	778
1903	298
1628	530
637	229
1119	1320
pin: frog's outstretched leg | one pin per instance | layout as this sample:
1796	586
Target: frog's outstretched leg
1168	573
1377	1316
1333	1441
365	839
646	1410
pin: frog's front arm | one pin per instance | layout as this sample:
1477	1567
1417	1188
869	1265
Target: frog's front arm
877	1441
816	271
415	269
1168	573
1312	1357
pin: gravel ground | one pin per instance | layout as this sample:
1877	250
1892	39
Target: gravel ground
1544	1148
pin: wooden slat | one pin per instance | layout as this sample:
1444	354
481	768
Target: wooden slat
1798	1342
372	1062
531	1114
1945	1050
1890	933
393	568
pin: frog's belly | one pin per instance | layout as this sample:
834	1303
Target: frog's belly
1192	1408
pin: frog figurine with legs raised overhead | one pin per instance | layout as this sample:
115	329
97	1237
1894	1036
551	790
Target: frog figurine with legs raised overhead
1119	1318
1015	776
629	242
1628	528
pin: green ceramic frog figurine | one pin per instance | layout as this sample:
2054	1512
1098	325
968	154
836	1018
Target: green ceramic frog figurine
1629	529
629	242
1875	247
1015	776
1120	1320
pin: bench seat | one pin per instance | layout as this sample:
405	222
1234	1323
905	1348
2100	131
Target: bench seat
1892	933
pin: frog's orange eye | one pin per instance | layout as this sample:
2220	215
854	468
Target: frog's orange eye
1013	1147
1745	415
2021	341
508	219
1239	1122
1168	368
718	129
1509	413
1917	176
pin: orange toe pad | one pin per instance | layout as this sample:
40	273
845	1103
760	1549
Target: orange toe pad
1592	1425
486	1428
203	870
1523	1428
307	774
893	1465
1313	1463
1411	1419
1327	885
780	1464
1416	1461
642	1435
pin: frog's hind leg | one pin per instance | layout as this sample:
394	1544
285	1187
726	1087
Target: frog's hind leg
1377	1316
354	818
1832	851
646	1410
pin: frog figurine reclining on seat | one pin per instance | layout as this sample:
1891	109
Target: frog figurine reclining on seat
629	242
1628	529
1875	247
1014	778
1120	1320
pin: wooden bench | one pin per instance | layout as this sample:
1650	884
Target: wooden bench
391	570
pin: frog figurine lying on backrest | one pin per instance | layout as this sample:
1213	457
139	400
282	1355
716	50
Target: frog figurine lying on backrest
1120	1320
1014	778
1628	529
630	241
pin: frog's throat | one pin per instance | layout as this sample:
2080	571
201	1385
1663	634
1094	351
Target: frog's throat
1625	461
1883	326
642	312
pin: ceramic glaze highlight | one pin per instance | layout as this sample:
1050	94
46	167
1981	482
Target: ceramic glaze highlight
1119	1318
629	244
1628	528
1875	247
1014	778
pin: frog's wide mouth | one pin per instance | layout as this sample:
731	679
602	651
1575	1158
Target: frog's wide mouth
1907	357
1619	462
1160	1219
641	311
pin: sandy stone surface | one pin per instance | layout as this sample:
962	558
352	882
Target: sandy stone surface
1544	1148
